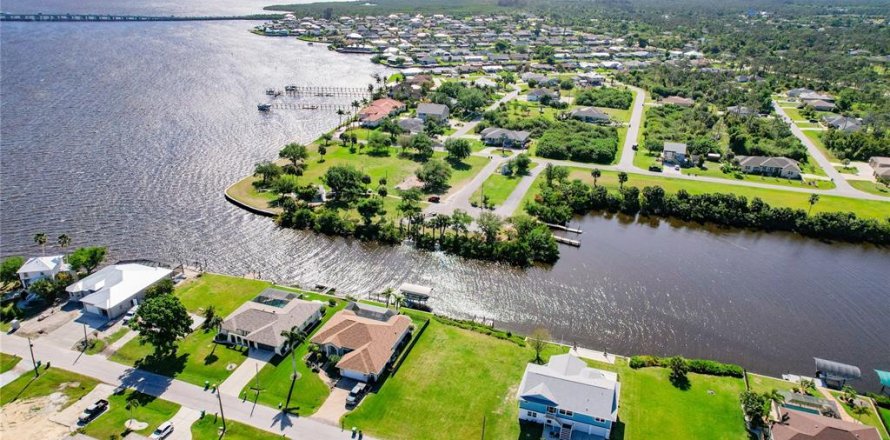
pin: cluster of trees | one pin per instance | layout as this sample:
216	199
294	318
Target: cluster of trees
577	141
559	199
605	97
161	320
501	118
755	136
697	126
460	98
82	261
860	145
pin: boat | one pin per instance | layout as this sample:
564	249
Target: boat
319	94
328	94
311	43
290	89
310	107
264	107
270	91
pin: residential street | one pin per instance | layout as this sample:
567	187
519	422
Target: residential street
633	131
185	394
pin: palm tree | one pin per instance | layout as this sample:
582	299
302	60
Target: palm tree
622	177
40	239
211	318
388	294
356	105
64	241
596	173
326	138
814	198
293	338
133	402
340	114
399	301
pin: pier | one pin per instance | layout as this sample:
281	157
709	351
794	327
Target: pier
125	18
327	91
567	241
564	228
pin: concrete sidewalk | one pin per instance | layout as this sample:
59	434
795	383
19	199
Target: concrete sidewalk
256	360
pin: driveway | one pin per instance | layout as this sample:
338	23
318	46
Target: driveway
71	333
334	407
182	424
68	416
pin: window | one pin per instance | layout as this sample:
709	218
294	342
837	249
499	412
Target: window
532	414
564	412
599	420
551	410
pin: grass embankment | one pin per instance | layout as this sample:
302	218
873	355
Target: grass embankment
208	428
816	137
53	380
309	391
451	379
8	361
776	198
130	405
99	344
498	188
870	187
244	192
198	358
869	418
765	384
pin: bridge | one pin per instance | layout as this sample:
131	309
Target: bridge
126	18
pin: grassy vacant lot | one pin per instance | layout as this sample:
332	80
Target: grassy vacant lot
497	187
7	361
451	379
208	427
870	187
765	384
149	410
246	193
652	408
462	172
100	344
226	293
275	378
870	418
198	358
50	381
816	137
794	114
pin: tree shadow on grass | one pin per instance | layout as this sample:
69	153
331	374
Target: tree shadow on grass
459	165
167	365
530	430
681	382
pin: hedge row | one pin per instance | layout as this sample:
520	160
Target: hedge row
480	328
700	366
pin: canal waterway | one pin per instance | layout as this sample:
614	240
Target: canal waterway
126	135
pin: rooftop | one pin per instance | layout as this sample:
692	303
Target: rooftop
568	383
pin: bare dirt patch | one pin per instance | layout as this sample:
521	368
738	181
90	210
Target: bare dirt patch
30	419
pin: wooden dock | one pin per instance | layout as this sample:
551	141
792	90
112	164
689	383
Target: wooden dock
567	241
564	228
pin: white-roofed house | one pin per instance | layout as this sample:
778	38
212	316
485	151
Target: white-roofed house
567	396
114	289
38	268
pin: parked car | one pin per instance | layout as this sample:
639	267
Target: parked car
655	168
163	431
677	167
92	411
130	314
434	199
355	395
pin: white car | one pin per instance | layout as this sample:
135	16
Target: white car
130	314
163	431
677	167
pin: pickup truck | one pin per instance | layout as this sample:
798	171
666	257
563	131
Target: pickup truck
92	411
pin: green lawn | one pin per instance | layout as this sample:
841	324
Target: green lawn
522	109
807	125
794	114
208	428
112	423
50	381
765	384
845	170
7	361
497	187
775	197
816	137
275	378
870	418
713	170
246	193
197	359
100	344
450	380
870	187
464	171
885	415
652	408
226	293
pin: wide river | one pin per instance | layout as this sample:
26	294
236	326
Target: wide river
126	135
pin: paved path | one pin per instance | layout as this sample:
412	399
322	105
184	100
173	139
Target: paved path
116	345
633	131
514	201
461	198
334	407
176	391
256	360
595	355
17	371
182	422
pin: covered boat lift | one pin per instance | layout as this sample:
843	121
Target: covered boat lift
884	377
415	296
835	374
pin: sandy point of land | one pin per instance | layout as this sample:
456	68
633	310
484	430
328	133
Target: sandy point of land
30	419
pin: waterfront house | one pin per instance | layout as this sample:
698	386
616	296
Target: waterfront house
835	374
367	338
790	424
112	290
590	114
258	323
501	137
427	111
378	110
770	166
567	396
39	268
674	152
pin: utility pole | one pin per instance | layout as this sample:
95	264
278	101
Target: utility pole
221	413
33	361
86	341
483	428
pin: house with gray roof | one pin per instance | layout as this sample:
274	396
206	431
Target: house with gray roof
258	323
881	167
770	166
569	398
842	123
590	114
501	137
428	110
674	152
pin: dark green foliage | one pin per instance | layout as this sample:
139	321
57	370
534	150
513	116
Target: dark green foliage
700	366
345	181
9	267
434	174
87	258
161	321
859	145
605	97
755	136
573	140
162	287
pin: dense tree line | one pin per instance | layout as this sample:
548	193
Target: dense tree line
560	199
605	97
756	136
858	145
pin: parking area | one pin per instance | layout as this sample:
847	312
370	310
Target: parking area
70	333
334	407
68	416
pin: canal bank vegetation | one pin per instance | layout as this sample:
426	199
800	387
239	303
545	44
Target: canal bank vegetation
559	199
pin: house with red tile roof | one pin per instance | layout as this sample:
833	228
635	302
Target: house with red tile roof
378	110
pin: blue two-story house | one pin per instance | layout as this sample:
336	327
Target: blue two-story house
571	400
